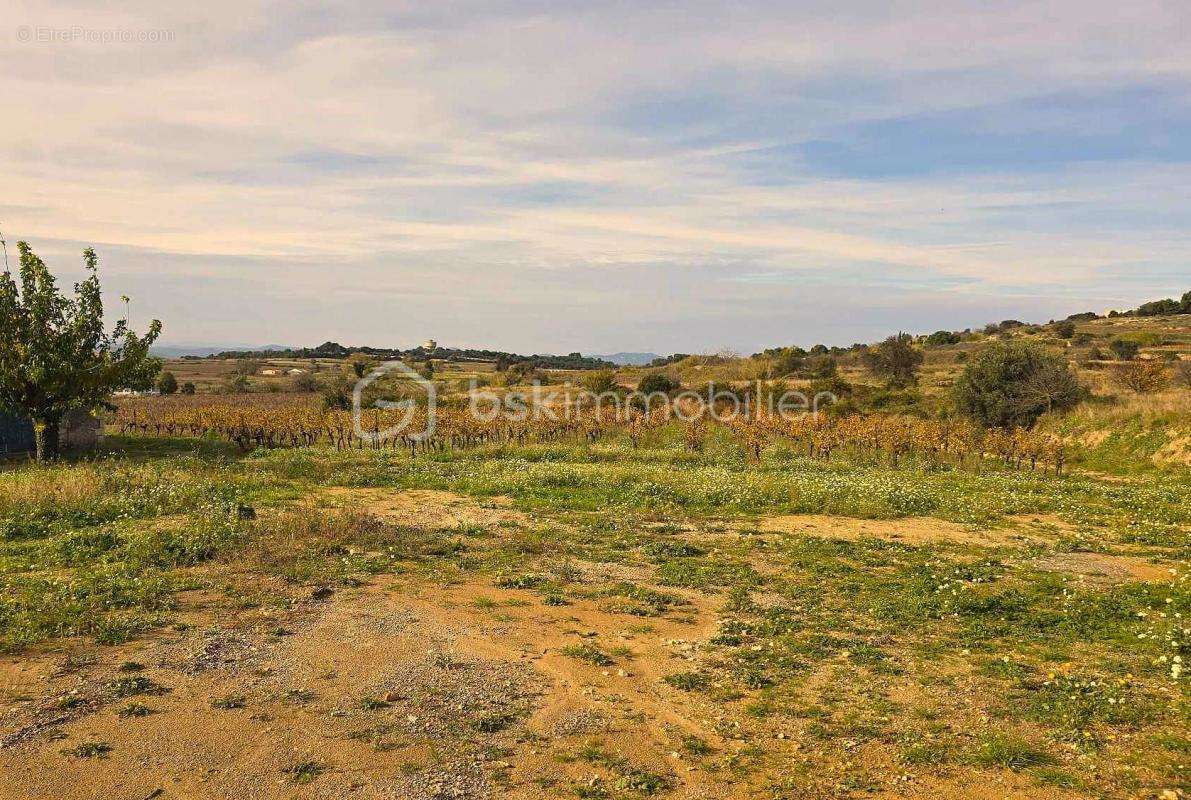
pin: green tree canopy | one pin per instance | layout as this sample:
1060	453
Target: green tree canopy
896	360
1011	384
167	382
55	355
943	337
656	382
1124	349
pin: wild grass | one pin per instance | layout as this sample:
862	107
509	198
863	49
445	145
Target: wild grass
811	632
1129	434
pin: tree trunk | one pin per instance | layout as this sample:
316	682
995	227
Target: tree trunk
46	438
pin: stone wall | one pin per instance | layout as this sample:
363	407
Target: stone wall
81	430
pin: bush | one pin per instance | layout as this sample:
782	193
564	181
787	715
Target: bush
1124	349
1065	330
338	393
247	367
896	360
188	388
525	372
1158	308
1142	377
235	385
943	337
600	382
787	361
834	385
1011	384
820	368
167	383
1182	374
305	383
658	382
359	363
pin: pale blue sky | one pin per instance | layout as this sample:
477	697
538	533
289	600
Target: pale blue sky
600	176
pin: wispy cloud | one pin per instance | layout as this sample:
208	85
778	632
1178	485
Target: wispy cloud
605	175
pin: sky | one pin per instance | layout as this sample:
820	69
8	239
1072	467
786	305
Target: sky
552	176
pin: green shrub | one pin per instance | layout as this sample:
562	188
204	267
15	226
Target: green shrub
658	382
1011	384
167	383
894	360
1124	349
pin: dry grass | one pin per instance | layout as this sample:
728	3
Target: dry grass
1146	407
34	487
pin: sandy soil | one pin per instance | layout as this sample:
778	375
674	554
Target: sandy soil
912	531
404	689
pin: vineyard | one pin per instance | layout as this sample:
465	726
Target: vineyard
272	421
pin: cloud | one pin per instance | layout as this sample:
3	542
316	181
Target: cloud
605	175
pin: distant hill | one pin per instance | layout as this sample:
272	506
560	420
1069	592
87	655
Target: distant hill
181	351
629	359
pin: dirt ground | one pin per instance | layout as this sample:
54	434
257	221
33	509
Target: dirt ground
401	688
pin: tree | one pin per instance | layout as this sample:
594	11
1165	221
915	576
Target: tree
237	384
896	360
601	382
1182	374
1010	384
55	355
247	367
1065	329
787	361
1124	349
657	382
167	383
1158	308
305	382
820	367
188	388
943	337
1142	377
337	394
360	364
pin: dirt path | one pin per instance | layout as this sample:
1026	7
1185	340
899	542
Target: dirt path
384	691
413	688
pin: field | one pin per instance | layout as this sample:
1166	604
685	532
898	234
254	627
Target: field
617	615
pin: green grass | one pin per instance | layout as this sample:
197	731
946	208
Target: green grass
588	653
812	632
305	771
89	750
1011	752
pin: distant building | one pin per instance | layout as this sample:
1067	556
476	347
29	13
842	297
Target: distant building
429	344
